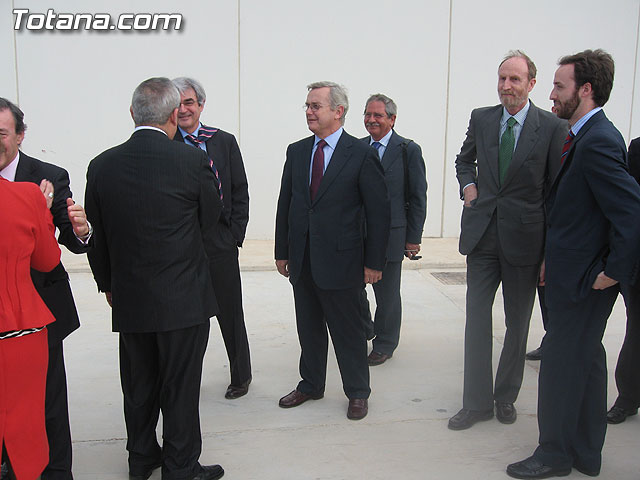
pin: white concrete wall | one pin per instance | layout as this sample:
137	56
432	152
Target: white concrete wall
437	59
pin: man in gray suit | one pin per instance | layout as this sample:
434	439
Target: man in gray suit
506	163
406	180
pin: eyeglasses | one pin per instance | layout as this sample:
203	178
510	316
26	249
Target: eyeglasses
377	116
314	107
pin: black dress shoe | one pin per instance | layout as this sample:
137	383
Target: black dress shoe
237	391
377	358
209	472
618	414
296	398
144	475
466	418
358	408
506	412
534	354
533	468
591	472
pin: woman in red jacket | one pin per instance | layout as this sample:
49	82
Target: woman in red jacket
27	241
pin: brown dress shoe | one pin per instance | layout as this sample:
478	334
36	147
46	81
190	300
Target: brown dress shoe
296	398
237	391
358	408
377	358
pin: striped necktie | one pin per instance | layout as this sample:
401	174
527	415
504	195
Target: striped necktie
204	134
566	146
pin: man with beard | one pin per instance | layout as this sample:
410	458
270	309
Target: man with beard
593	238
508	158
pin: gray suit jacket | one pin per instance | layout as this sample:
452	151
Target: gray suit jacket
406	224
519	203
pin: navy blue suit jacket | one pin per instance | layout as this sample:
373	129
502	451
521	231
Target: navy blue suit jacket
352	188
593	216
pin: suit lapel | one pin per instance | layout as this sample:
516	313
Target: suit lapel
24	172
526	141
569	158
392	152
213	145
302	173
491	132
338	161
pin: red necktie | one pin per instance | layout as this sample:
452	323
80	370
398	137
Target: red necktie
566	146
317	170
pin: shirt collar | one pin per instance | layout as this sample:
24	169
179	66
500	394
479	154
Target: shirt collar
9	172
580	123
149	127
384	141
332	140
520	117
195	133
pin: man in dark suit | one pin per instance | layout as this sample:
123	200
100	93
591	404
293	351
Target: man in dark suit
593	240
154	207
505	163
223	151
53	287
627	373
406	180
331	183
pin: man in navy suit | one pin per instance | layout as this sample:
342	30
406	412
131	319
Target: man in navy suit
627	373
592	244
405	176
331	183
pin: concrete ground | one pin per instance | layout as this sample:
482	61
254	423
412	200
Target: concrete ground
405	435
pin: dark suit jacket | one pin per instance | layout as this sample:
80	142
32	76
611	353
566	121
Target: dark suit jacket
634	159
594	207
154	208
406	224
223	149
332	223
519	202
54	286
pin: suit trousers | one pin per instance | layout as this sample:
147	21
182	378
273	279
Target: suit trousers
572	384
162	371
627	373
339	310
57	418
388	309
486	269
227	285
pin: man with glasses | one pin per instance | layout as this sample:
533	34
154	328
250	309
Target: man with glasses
226	161
331	183
405	176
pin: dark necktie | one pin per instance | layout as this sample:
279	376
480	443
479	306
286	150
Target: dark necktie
566	146
507	144
204	134
377	146
317	169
